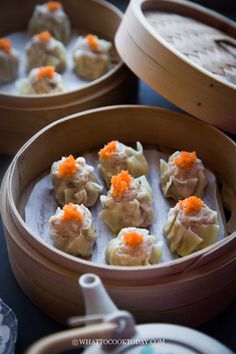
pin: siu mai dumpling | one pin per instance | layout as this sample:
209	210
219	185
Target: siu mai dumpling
72	231
52	18
128	202
133	247
74	181
9	61
44	50
91	57
191	226
182	176
115	157
41	81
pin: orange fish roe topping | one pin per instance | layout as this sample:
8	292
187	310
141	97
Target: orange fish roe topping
108	150
71	213
120	183
46	72
191	205
185	160
92	41
133	238
54	6
5	45
44	36
68	167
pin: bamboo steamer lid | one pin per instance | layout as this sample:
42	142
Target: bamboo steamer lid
22	116
185	52
187	290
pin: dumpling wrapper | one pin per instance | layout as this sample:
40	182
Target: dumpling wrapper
89	63
45	53
189	233
55	22
9	65
34	85
133	209
147	252
74	237
81	188
179	184
124	158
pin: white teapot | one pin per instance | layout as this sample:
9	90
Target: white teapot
109	330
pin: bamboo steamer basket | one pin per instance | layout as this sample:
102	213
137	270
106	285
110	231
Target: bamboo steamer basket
186	53
21	117
188	290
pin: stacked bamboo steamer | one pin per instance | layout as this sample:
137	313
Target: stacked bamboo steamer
188	290
22	116
185	52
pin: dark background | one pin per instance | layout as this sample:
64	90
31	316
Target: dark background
220	5
33	324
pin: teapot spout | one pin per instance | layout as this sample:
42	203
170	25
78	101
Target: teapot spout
96	298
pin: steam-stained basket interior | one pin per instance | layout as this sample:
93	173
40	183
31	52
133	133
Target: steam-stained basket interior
203	45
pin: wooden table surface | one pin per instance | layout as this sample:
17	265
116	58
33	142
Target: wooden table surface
32	323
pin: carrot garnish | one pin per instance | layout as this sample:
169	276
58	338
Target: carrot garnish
46	72
120	183
54	6
191	205
5	45
185	160
44	36
71	212
133	238
108	150
92	41
68	167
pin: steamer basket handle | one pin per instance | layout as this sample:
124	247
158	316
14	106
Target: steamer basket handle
68	339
